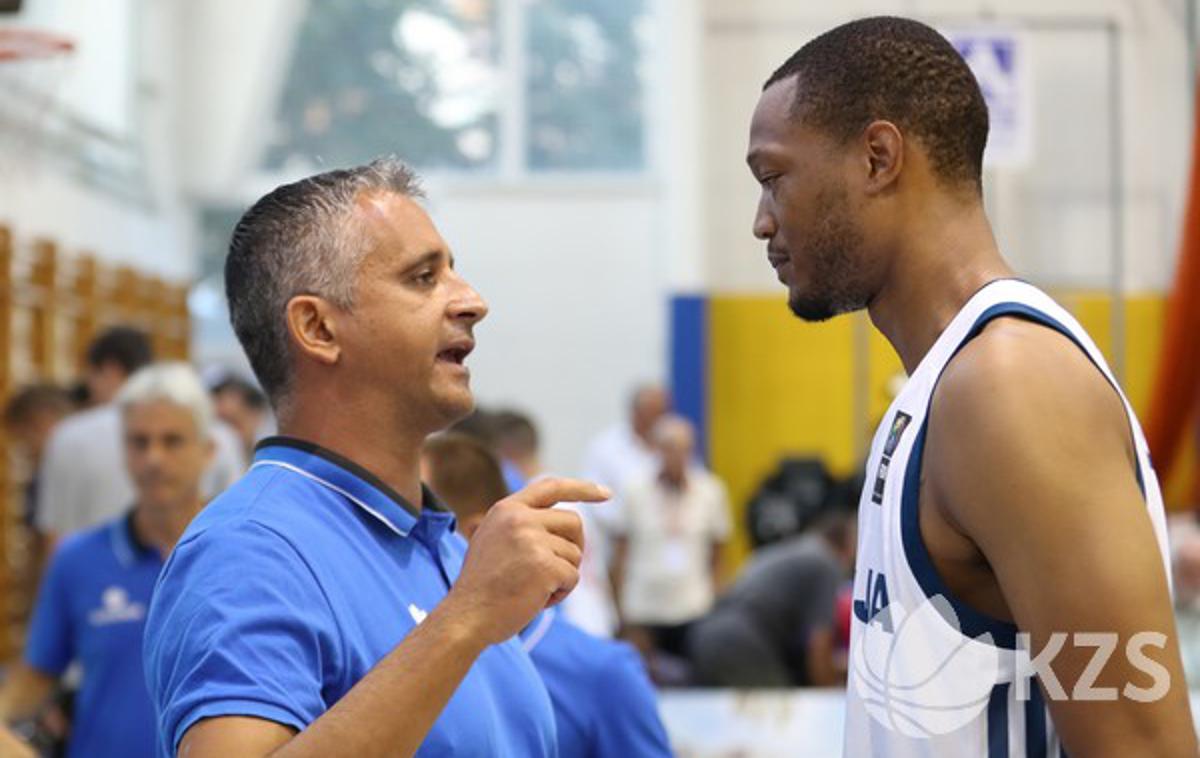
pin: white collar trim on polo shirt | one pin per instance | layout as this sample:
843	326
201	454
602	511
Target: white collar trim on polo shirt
335	488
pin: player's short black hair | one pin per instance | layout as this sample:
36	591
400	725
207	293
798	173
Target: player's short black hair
125	346
899	70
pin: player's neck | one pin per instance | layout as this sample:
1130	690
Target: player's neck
389	450
946	257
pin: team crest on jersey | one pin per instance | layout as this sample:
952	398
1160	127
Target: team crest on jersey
899	425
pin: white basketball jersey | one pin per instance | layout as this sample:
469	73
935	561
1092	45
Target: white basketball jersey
929	676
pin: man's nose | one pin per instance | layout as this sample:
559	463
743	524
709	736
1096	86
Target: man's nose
469	305
764	222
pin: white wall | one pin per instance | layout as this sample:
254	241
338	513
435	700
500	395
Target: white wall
234	62
575	268
120	85
579	272
1053	217
574	279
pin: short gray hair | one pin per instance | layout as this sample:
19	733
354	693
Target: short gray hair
300	239
174	383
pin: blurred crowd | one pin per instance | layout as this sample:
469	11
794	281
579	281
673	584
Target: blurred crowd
115	467
656	571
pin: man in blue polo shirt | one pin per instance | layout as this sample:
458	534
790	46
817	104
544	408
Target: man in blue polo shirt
324	605
92	604
604	704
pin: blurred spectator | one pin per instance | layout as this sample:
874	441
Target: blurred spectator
242	406
111	358
481	426
604	705
29	418
82	480
777	625
517	444
625	450
619	453
92	605
590	605
674	523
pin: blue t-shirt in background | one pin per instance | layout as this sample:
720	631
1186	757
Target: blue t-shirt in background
604	703
288	588
91	608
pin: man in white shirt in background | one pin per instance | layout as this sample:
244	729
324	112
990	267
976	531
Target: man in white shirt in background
517	443
625	449
616	455
82	479
666	562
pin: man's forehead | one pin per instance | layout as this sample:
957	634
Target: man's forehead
398	222
159	414
772	119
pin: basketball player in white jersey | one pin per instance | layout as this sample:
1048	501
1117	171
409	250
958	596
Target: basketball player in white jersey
1010	503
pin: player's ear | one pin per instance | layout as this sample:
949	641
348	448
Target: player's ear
884	152
312	323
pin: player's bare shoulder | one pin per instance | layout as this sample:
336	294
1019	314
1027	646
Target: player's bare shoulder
1018	376
1018	404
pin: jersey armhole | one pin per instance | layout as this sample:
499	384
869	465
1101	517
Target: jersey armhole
973	623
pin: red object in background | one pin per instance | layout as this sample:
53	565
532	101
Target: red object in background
25	44
1177	382
841	616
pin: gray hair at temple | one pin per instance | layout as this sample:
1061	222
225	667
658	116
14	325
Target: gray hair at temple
300	239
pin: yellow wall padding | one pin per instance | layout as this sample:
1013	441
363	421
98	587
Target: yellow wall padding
778	386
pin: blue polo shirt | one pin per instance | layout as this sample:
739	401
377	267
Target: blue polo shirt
92	609
604	703
289	587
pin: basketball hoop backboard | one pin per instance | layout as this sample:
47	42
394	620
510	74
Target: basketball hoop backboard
32	65
18	44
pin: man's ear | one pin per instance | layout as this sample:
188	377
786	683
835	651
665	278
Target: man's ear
311	320
885	155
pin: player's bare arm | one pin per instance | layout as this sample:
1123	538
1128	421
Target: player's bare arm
1032	512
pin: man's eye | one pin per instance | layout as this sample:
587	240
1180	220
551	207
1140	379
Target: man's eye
425	277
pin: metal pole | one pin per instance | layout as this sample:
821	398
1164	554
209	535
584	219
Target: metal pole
1193	38
1117	197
